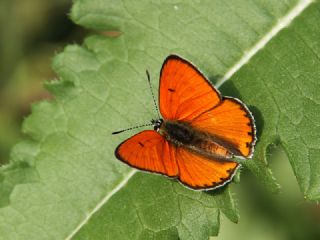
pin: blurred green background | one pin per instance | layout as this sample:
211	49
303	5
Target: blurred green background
31	32
265	215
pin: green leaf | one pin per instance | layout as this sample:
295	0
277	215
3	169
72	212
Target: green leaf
284	94
64	181
149	208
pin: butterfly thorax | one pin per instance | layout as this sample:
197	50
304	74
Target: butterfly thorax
182	134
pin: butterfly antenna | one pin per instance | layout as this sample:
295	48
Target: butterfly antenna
127	129
154	100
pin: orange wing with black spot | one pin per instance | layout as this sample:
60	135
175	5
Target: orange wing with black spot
198	172
232	124
186	95
184	92
149	151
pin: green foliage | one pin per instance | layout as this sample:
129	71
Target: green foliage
284	94
66	170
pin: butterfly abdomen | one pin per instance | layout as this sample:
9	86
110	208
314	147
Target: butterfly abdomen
181	134
213	149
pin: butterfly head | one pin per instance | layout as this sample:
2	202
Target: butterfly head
156	124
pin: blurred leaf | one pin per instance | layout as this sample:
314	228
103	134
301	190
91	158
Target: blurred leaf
22	25
66	171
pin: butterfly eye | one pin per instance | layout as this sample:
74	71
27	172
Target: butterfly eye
156	124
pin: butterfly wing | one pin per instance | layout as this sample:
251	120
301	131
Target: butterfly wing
149	151
198	172
184	92
186	95
232	124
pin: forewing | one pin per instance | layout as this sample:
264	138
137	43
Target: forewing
184	92
231	124
198	172
148	151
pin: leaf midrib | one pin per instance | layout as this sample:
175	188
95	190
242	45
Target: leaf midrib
105	199
281	24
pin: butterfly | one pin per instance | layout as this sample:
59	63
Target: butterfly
199	134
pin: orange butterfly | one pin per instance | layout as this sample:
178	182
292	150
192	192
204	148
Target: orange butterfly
201	131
